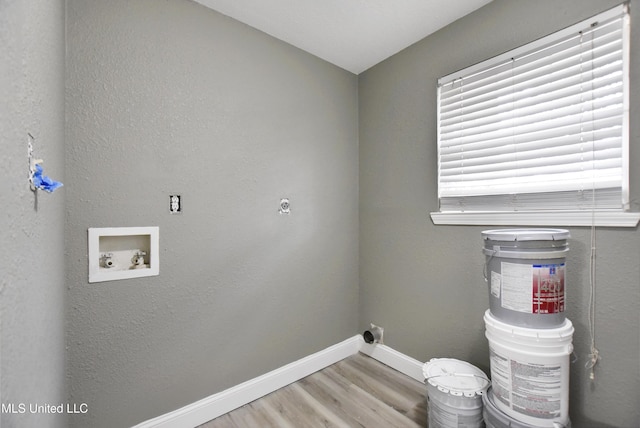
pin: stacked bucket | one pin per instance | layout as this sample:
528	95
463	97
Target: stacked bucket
530	339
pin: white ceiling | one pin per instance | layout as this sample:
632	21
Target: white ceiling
352	34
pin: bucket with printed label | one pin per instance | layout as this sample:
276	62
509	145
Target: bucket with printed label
530	371
494	418
454	393
525	272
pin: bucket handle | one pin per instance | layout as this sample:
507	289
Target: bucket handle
487	261
485	378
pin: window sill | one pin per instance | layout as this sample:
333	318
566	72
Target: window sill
538	218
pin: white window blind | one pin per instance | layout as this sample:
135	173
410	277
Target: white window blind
543	127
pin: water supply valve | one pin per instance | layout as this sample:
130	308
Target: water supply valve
138	259
107	260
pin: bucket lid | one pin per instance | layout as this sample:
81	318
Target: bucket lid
456	377
564	332
526	234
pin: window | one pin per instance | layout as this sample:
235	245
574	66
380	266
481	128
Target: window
539	135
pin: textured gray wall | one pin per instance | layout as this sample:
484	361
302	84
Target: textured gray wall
169	97
32	286
423	283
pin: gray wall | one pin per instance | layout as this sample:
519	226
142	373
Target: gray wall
168	97
32	252
423	283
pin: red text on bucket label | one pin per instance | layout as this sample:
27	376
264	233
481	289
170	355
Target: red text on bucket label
533	289
548	289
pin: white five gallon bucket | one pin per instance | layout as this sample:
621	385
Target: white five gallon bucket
525	270
530	371
454	393
494	418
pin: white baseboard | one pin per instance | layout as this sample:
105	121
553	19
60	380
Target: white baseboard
216	405
394	359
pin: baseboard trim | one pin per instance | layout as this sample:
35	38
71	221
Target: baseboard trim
394	359
216	405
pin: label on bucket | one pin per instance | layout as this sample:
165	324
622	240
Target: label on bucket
444	416
533	289
496	282
530	389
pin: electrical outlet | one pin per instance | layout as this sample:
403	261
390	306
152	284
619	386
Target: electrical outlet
175	204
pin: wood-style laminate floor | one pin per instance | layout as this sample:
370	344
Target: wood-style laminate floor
355	392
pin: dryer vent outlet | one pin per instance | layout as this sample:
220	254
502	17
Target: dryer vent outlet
373	335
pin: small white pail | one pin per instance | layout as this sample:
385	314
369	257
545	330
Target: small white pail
454	393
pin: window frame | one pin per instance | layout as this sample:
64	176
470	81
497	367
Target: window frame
622	217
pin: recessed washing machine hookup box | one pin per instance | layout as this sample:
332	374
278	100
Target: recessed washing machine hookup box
123	252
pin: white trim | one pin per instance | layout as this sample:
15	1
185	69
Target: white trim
396	360
209	408
626	83
512	122
532	218
216	405
98	273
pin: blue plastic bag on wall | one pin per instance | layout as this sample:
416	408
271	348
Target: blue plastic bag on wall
43	182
